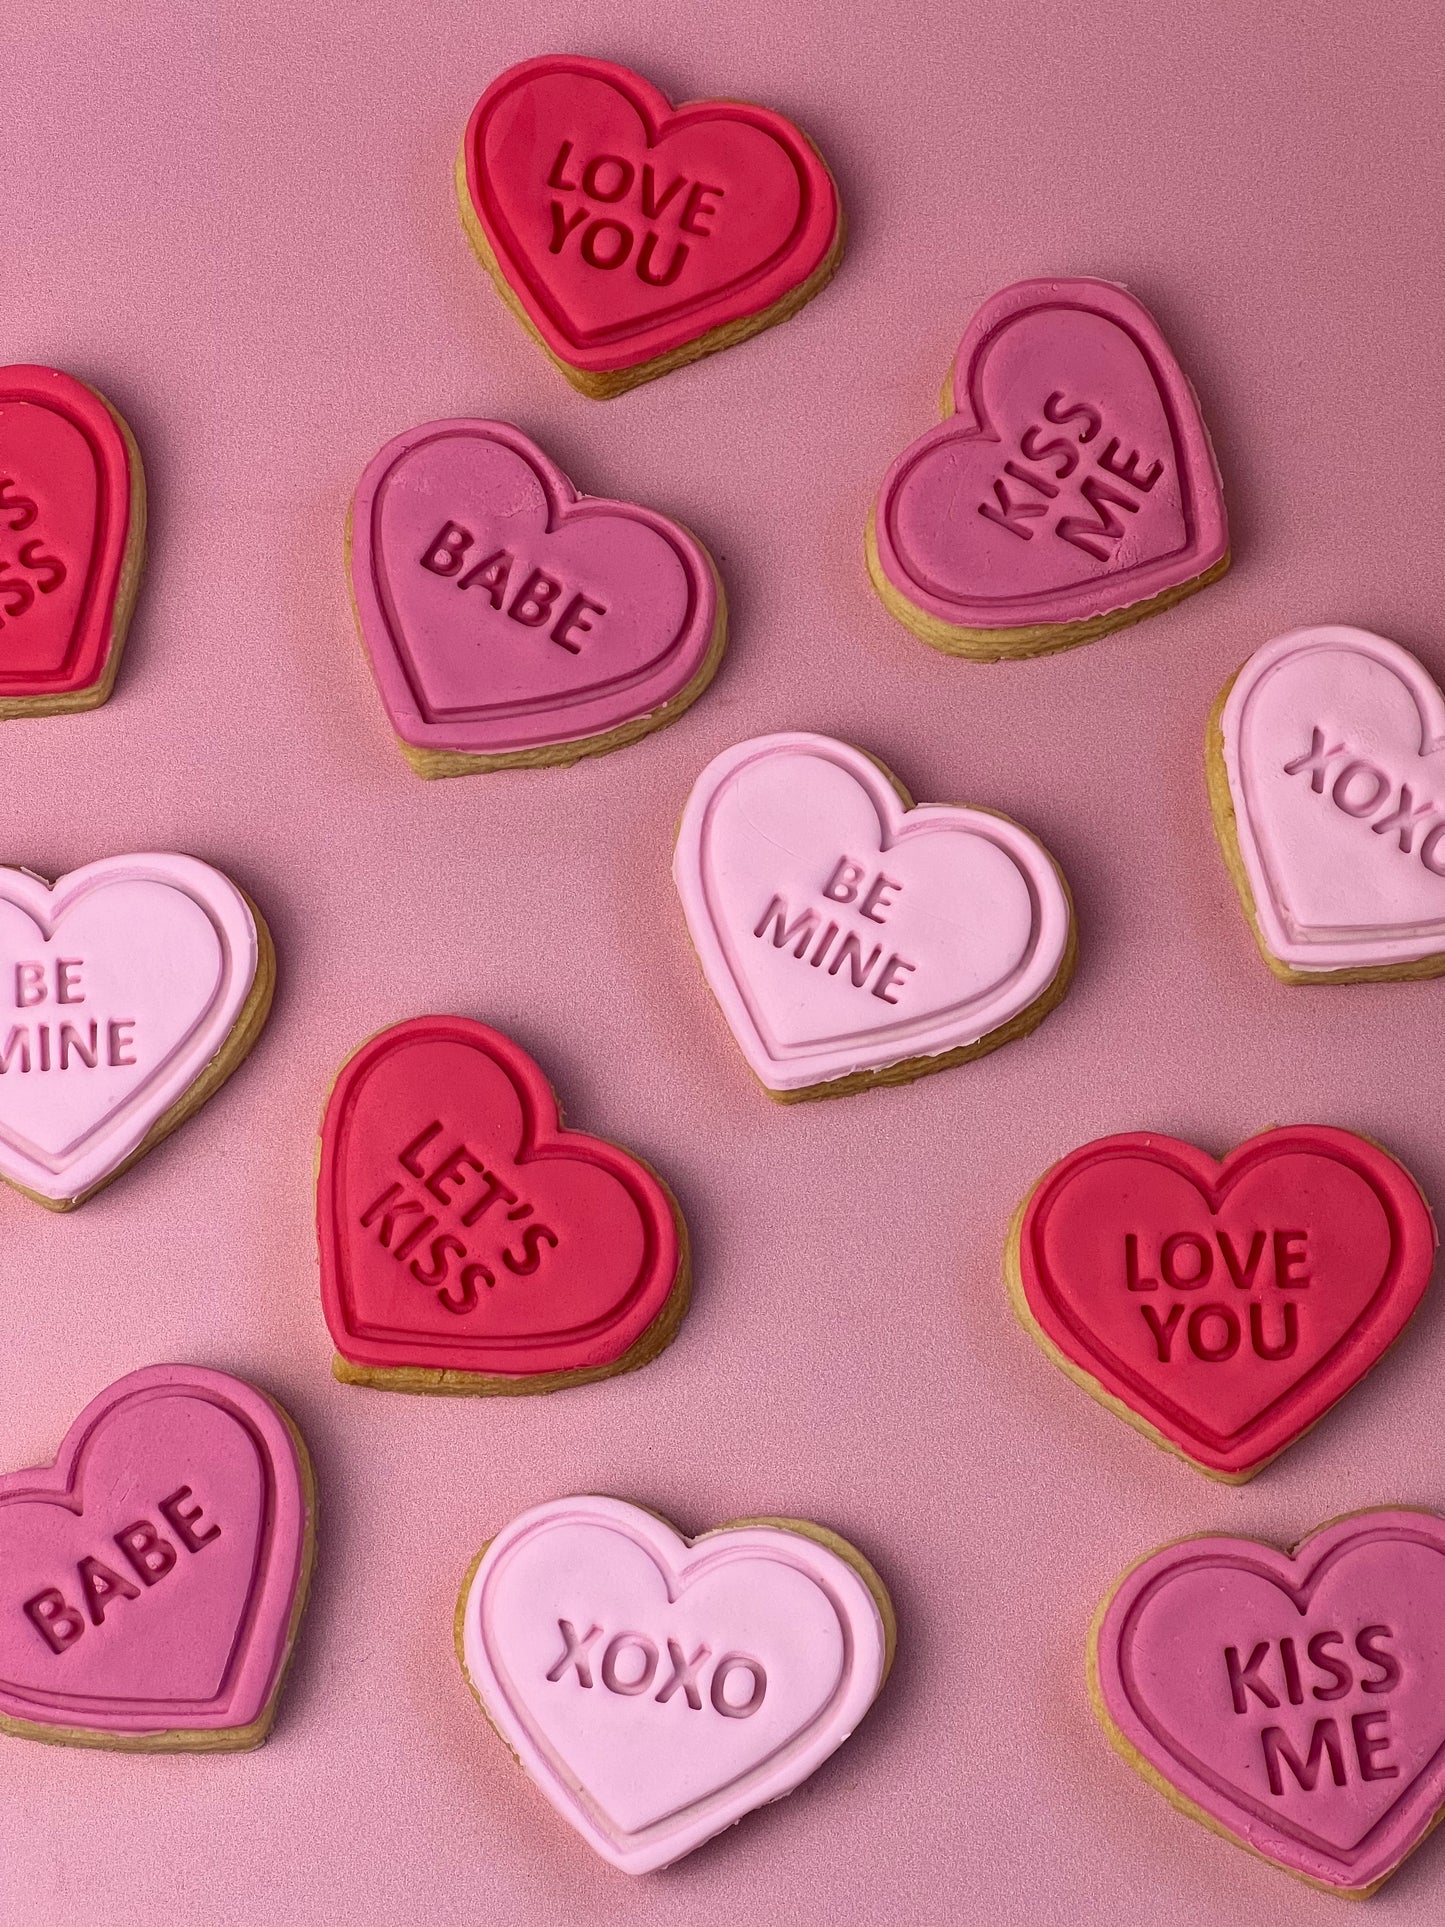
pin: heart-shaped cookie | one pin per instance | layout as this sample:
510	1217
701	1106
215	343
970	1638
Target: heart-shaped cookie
129	991
1072	488
1221	1308
72	542
658	1688
512	623
1326	766
152	1580
1293	1702
471	1244
854	939
630	236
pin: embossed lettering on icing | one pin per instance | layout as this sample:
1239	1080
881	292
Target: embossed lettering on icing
1097	533
27	569
62	1045
466	1191
608	241
630	1663
1215	1330
539	601
1360	788
837	947
100	1585
1272	1674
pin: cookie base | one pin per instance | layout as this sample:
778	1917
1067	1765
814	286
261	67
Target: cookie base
1181	1801
605	384
239	1043
223	1739
1036	639
71	701
1226	829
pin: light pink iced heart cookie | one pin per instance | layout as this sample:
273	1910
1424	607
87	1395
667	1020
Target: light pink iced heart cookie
152	1580
658	1688
1072	489
129	991
1294	1702
853	939
512	622
1326	766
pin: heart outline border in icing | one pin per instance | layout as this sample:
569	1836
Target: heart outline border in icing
445	748
1047	972
1012	627
1406	1208
1294	959
218	1041
640	353
422	1364
1132	1733
864	1608
274	1607
116	560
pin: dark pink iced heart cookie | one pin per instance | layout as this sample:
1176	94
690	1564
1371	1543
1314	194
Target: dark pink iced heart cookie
152	1579
1072	488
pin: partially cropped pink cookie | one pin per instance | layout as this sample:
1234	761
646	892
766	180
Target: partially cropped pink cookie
1326	765
1071	488
510	621
1294	1702
658	1688
152	1579
852	938
129	991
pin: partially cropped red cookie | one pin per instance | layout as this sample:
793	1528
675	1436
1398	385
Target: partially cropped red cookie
630	236
469	1241
72	542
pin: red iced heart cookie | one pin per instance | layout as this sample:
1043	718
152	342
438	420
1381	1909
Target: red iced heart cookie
152	1580
1294	1702
1221	1308
630	236
471	1244
511	622
1073	491
72	542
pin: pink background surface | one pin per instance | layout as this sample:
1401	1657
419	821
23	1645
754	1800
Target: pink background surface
243	230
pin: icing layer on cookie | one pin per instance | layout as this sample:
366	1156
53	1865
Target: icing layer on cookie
65	520
1332	742
1074	479
1226	1306
658	1689
502	612
151	1579
119	984
842	931
462	1229
1296	1702
627	228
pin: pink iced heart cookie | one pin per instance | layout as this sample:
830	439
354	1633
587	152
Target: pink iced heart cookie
512	622
854	939
1326	767
129	991
1072	488
1293	1702
658	1688
152	1580
630	236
